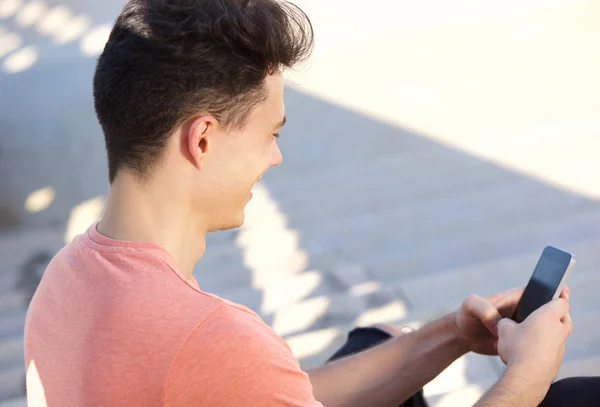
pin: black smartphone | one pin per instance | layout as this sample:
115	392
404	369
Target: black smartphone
546	282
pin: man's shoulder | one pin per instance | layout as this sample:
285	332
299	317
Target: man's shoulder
230	318
234	358
233	325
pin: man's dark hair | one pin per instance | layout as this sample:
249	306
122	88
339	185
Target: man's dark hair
166	60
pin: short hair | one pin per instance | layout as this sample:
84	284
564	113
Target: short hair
166	60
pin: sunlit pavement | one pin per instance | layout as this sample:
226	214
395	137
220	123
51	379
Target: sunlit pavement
433	150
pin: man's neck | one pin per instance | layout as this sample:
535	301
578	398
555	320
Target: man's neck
153	215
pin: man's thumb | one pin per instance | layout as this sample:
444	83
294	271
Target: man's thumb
505	326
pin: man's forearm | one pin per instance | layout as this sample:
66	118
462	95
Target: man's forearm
514	390
390	373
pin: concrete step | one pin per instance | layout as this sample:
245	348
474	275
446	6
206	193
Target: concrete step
24	255
20	402
315	347
222	237
572	366
336	309
12	382
9	281
585	338
231	276
372	187
57	27
582	345
12	324
18	246
589	366
13	300
219	252
314	300
394	162
469	370
431	232
465	396
284	290
227	267
224	274
391	259
400	257
329	129
224	277
586	251
444	206
481	199
462	383
435	291
583	342
12	353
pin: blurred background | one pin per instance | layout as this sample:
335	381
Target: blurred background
433	149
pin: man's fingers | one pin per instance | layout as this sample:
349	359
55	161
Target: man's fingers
567	323
505	325
566	320
565	293
559	306
509	295
484	311
506	302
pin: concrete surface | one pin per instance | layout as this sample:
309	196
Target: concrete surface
432	151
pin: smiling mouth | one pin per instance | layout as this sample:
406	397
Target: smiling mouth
256	182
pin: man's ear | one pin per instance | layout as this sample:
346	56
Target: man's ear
200	133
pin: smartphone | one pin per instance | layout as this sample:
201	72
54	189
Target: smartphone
546	282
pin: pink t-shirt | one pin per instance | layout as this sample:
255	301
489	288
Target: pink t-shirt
115	323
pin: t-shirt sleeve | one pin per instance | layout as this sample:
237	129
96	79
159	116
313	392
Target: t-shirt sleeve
234	359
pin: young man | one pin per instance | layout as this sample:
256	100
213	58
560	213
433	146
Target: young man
189	95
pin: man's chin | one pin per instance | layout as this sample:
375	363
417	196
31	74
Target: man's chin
230	223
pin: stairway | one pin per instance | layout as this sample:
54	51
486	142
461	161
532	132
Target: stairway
314	278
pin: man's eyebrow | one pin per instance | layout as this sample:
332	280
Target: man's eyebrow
281	123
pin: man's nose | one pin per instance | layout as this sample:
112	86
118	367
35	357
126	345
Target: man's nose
276	156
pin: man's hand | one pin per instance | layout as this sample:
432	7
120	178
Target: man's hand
477	319
535	347
533	351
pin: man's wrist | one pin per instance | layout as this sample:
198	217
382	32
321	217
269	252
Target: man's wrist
514	389
530	385
457	339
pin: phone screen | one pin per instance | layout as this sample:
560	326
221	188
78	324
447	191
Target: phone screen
544	282
549	273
